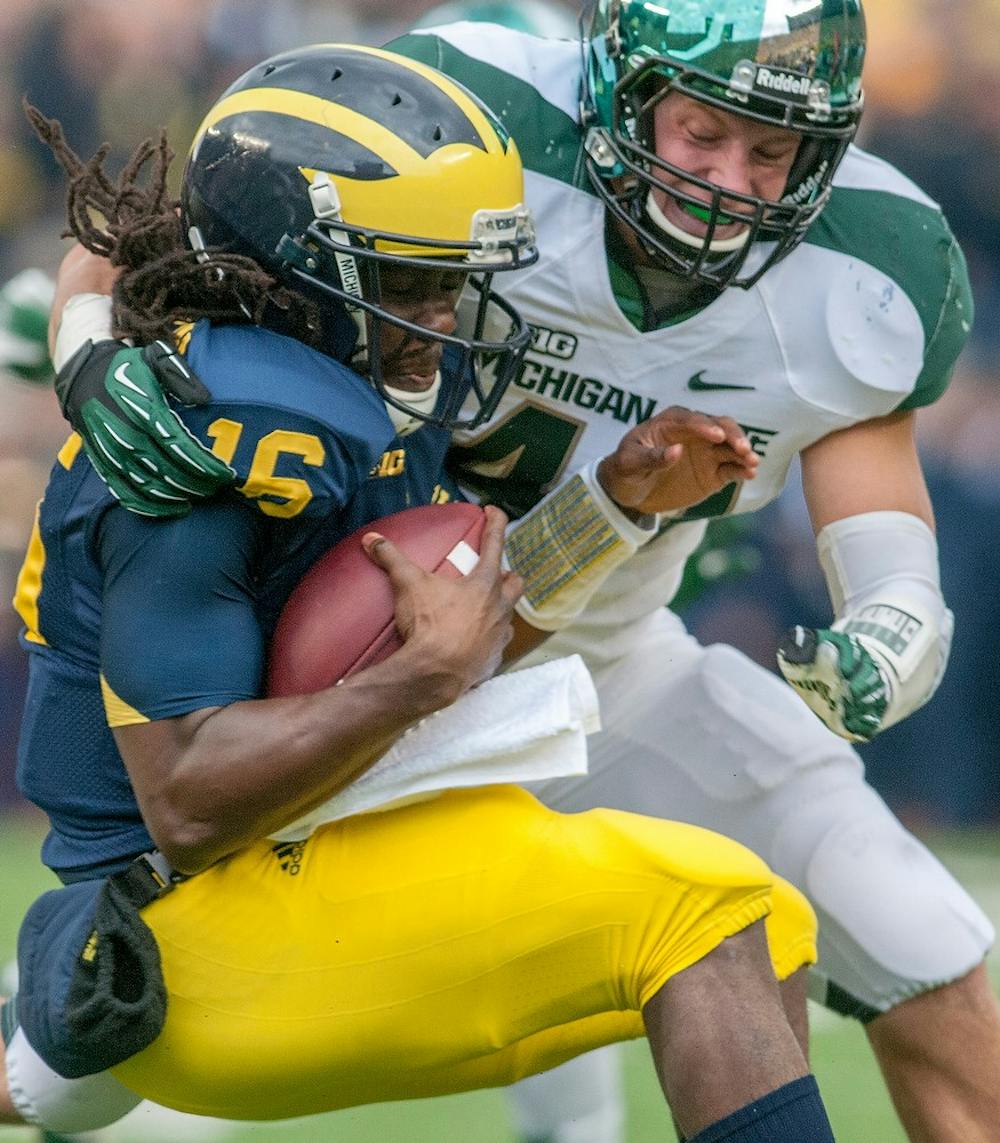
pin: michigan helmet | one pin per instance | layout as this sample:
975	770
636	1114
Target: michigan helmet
794	64
326	164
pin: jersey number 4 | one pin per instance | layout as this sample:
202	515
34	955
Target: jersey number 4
514	462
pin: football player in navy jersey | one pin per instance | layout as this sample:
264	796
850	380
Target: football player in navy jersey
708	227
343	211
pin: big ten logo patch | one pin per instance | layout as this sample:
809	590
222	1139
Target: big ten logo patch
393	463
553	342
289	855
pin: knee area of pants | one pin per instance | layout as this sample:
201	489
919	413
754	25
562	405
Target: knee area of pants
679	851
816	813
792	929
906	916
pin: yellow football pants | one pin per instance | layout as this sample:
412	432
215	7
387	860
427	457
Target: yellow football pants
456	943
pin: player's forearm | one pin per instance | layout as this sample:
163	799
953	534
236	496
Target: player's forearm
566	547
238	773
81	273
888	647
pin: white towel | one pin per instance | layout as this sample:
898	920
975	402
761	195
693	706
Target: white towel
520	727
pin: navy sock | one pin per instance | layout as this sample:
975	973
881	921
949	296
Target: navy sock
793	1113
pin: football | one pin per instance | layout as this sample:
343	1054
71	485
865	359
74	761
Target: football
339	618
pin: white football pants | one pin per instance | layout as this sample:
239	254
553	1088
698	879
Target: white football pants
704	735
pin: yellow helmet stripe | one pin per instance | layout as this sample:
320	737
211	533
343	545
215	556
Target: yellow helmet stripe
310	108
314	109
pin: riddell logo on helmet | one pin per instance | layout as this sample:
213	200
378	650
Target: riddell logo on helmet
787	82
806	190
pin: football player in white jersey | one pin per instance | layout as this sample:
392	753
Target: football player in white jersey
711	236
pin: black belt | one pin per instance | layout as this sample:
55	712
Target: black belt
148	878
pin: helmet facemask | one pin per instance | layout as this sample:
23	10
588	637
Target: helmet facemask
346	263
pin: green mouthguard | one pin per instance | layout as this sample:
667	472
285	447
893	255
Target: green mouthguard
704	215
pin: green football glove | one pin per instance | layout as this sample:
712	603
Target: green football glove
838	678
115	398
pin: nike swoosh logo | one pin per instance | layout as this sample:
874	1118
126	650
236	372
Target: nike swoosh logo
122	377
696	385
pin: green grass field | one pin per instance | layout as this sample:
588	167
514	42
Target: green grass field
858	1105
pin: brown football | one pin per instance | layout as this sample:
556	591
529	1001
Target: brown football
340	617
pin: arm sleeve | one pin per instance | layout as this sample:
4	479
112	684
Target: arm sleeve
179	628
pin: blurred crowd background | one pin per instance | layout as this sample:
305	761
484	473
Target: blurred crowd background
116	73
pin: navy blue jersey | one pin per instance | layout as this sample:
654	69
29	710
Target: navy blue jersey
130	619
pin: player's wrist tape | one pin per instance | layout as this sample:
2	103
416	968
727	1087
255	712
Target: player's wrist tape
882	573
567	546
85	317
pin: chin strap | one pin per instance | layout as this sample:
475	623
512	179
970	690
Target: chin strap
718	246
424	402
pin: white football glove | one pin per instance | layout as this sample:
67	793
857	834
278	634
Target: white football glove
838	678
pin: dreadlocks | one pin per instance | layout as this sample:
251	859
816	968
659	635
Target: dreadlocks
164	281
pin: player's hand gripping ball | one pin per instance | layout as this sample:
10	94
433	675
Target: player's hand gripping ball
340	617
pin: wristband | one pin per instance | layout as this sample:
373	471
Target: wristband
882	573
85	317
567	546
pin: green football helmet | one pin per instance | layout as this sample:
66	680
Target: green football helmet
794	64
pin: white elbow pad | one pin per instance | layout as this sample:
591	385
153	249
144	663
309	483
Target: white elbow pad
567	546
882	572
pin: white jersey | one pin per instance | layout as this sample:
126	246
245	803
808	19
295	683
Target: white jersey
863	318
